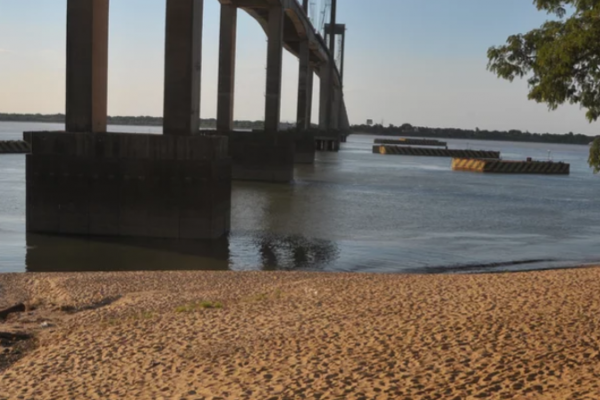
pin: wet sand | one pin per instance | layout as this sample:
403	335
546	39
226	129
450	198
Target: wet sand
208	335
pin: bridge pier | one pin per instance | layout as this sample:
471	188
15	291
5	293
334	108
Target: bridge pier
227	51
132	185
328	138
267	156
262	157
324	99
305	88
305	143
305	147
183	65
274	69
88	182
87	65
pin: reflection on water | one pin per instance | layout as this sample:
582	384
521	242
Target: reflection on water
47	253
53	253
294	252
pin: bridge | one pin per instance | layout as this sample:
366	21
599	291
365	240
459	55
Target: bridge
300	38
85	181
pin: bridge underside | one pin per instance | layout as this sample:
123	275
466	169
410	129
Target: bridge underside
300	38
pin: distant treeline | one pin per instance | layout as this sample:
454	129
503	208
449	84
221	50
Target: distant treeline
477	134
209	123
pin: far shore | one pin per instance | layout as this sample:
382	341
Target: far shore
291	335
407	130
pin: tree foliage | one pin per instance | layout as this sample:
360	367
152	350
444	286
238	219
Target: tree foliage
594	159
560	59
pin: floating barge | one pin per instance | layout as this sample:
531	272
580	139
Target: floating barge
427	152
412	142
14	147
511	167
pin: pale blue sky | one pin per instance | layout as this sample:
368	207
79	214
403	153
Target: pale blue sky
422	62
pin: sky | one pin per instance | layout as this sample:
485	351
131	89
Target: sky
407	61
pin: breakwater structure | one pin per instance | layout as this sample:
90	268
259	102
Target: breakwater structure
432	152
14	147
511	167
412	142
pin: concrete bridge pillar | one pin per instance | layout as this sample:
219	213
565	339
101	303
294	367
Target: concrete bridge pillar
324	99
305	88
329	138
266	156
274	69
175	186
336	105
309	95
305	84
183	64
305	142
87	65
227	51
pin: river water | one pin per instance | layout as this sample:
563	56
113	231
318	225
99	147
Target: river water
351	211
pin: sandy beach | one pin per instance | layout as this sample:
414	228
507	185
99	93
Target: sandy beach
222	335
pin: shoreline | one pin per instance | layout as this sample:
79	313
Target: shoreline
249	125
237	335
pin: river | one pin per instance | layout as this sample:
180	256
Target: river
351	211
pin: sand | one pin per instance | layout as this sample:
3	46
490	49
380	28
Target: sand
146	335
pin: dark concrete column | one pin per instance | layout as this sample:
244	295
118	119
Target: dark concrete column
309	95
304	88
305	6
324	96
331	63
87	65
335	116
274	69
227	48
183	64
343	57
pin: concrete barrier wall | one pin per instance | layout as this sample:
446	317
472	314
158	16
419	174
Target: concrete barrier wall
258	156
305	147
411	142
432	152
511	167
14	147
129	185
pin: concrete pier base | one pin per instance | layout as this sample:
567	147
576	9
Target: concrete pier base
257	156
305	147
134	185
328	141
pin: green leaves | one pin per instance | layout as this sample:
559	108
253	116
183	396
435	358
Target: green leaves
559	7
561	59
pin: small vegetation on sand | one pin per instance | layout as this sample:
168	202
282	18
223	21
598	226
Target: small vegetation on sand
202	305
144	315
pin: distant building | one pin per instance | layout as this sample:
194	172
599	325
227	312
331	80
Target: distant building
369	122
